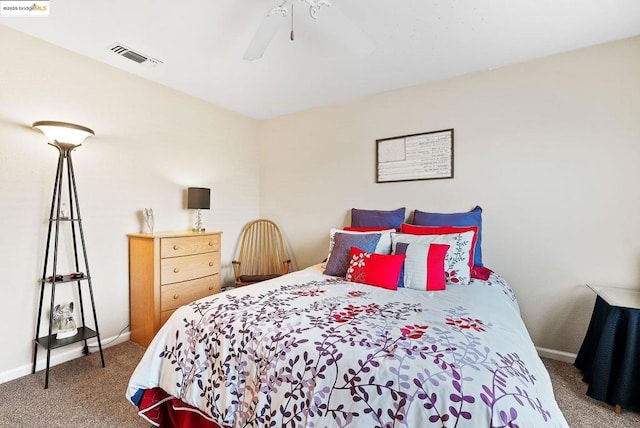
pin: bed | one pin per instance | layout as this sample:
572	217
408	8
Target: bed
311	350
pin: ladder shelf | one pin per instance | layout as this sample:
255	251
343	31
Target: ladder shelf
81	276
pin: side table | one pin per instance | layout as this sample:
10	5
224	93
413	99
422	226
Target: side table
609	357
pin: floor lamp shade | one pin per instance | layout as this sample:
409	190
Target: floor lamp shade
198	198
63	132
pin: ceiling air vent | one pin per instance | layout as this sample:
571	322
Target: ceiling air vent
140	58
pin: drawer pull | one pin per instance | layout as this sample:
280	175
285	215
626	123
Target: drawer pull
211	287
210	263
176	270
175	297
211	243
175	247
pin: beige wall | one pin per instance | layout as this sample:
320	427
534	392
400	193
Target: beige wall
549	149
151	143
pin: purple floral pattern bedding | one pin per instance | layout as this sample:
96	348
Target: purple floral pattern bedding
307	350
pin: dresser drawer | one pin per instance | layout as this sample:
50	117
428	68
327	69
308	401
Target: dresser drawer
173	296
179	269
185	246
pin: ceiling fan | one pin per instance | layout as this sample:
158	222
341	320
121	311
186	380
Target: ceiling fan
331	19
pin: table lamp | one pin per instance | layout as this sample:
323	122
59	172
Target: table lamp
198	198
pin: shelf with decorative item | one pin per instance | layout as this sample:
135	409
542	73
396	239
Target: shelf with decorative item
83	333
71	277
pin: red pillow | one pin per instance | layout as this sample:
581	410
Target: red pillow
436	279
442	230
380	270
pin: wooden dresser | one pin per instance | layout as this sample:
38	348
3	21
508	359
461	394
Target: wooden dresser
166	271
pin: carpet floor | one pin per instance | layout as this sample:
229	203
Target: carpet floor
579	410
83	394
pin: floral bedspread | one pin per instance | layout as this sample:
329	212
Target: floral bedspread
307	350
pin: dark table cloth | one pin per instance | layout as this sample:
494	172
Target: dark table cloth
609	357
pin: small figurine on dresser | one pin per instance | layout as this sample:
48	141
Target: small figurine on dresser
148	221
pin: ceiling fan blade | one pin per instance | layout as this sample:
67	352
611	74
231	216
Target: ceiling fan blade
335	22
268	28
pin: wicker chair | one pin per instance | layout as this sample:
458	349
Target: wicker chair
261	253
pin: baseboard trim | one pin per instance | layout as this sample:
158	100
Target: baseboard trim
553	354
62	355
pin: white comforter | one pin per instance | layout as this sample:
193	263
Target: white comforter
307	350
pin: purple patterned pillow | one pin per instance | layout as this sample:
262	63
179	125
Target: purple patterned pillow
377	218
338	262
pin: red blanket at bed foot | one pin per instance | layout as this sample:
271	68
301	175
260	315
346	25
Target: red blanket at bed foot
164	410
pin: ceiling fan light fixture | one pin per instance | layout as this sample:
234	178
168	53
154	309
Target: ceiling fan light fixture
316	5
334	22
280	10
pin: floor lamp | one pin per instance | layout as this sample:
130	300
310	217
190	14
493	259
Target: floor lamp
65	137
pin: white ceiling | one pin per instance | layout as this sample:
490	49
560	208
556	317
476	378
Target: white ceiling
201	43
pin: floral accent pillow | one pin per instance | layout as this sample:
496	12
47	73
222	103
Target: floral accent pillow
380	270
424	266
471	218
443	230
457	263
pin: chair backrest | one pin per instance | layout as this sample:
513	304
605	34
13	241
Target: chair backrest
261	249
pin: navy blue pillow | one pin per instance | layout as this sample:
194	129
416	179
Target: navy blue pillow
376	218
401	248
471	218
340	257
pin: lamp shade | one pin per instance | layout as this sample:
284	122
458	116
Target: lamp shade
63	132
198	198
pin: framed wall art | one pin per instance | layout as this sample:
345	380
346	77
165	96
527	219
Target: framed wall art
425	156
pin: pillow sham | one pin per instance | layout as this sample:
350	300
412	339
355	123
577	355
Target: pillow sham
338	261
459	256
375	269
442	230
424	266
377	218
471	218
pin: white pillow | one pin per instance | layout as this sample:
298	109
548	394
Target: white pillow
456	263
383	246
